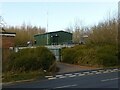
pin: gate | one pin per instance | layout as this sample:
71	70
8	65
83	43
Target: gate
57	53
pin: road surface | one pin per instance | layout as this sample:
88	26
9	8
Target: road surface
66	68
86	79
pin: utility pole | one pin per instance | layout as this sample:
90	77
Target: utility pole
0	23
1	58
47	27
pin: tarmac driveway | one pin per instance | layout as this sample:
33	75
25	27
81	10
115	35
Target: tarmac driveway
65	68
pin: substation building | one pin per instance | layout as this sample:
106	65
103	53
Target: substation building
52	40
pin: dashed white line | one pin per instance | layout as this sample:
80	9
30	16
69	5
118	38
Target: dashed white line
52	78
115	69
109	70
86	72
68	74
109	79
112	71
48	76
98	72
81	74
63	77
90	73
67	86
76	73
59	75
105	71
94	71
72	76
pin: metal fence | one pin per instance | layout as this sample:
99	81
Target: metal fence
55	49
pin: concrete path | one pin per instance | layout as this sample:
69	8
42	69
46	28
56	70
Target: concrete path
65	68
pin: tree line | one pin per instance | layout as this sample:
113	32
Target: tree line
101	48
25	33
105	32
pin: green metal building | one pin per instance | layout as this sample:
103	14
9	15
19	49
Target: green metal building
53	38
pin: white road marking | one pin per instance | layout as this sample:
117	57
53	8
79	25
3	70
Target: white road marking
109	70
94	71
115	69
59	75
72	76
48	76
76	73
109	79
68	74
67	86
105	71
52	78
112	71
90	73
63	77
81	74
86	72
98	72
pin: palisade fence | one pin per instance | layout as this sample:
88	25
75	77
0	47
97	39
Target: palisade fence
55	49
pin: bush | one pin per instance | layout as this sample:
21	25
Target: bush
31	59
107	55
68	55
91	56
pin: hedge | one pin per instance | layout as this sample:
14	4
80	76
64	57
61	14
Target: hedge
31	59
105	56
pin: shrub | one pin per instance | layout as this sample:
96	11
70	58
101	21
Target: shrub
91	56
68	55
31	59
107	55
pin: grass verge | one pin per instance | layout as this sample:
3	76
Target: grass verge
12	77
19	76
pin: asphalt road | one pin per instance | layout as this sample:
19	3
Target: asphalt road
101	80
65	68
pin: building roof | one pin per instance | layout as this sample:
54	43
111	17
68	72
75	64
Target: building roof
7	34
53	32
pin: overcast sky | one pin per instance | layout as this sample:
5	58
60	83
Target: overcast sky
60	14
